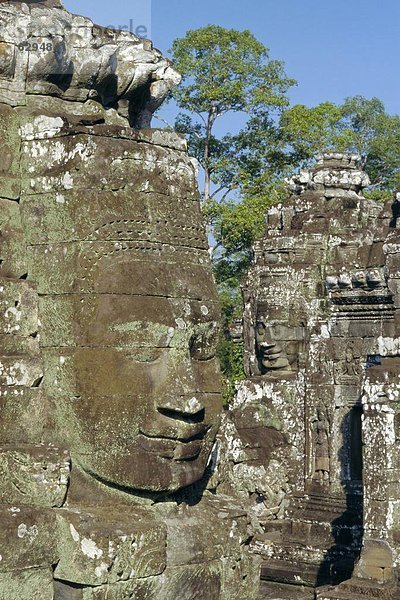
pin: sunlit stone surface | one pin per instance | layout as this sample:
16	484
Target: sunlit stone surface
311	440
109	386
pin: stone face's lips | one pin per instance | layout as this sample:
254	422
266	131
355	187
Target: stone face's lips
188	451
195	432
181	428
173	449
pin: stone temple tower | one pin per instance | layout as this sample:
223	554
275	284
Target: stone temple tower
322	354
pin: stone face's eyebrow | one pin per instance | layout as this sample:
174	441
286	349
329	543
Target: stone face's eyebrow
154	334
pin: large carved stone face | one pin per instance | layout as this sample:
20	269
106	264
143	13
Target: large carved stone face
143	388
128	310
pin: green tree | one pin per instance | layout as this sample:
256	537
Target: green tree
369	130
267	152
305	131
223	71
359	125
228	71
275	152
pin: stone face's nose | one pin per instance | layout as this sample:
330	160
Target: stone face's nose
179	418
187	406
180	411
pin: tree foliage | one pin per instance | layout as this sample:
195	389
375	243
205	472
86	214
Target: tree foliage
359	125
223	71
305	131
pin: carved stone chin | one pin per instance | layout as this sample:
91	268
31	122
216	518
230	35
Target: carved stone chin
273	364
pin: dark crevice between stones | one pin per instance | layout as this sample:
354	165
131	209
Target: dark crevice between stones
395	212
347	530
37	382
137	113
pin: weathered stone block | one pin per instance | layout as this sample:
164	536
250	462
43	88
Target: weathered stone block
27	540
24	415
96	549
75	161
241	579
143	268
10	184
27	584
18	308
191	581
393	263
34	476
228	528
376	573
394	288
377	517
377	553
20	371
12	242
137	215
13	255
186	582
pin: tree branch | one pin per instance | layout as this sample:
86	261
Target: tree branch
163	121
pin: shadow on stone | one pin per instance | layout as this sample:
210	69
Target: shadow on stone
395	212
347	529
67	591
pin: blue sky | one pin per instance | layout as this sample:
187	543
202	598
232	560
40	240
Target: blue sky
333	49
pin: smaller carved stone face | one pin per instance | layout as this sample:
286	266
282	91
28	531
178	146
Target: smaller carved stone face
332	283
345	281
273	352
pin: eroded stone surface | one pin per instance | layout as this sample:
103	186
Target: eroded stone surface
47	51
109	386
322	356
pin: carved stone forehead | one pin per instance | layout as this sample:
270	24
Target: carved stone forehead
103	270
127	237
